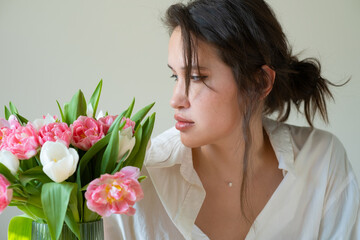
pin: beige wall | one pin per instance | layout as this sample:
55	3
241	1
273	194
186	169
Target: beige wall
48	49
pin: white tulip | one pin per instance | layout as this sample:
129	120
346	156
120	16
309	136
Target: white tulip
40	122
59	162
10	161
100	115
89	110
126	142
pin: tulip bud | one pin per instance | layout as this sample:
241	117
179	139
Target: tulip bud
126	142
59	162
89	110
10	161
40	122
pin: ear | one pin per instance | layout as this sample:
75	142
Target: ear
269	77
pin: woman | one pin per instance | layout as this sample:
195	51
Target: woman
226	171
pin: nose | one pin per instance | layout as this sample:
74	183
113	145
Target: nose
179	98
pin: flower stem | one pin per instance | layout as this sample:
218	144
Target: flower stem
20	199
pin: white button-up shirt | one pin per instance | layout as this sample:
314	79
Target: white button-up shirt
317	199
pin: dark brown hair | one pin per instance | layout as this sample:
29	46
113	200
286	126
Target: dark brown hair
247	36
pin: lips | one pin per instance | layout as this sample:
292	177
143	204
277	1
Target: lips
182	123
181	119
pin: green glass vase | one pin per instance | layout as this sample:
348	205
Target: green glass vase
88	231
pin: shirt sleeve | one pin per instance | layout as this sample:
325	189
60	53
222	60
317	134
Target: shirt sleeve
341	210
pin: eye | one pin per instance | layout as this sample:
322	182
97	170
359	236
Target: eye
198	78
174	76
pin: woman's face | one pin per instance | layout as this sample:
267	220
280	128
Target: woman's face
210	113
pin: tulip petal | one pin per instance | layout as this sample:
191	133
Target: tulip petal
10	161
115	193
58	161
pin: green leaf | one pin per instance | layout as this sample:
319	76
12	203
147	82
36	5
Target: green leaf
56	196
35	201
7	113
89	216
28	164
130	109
80	203
19	194
73	205
142	178
94	100
13	109
15	204
20	228
112	150
75	108
33	212
116	121
6	173
72	224
118	165
61	112
91	153
16	186
28	213
35	173
84	188
33	189
138	159
139	116
97	163
21	119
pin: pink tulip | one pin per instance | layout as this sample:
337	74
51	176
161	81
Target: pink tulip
21	141
57	131
5	193
4	131
5	126
129	123
4	123
13	122
116	193
86	132
106	122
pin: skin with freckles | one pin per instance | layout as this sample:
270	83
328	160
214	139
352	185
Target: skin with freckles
209	119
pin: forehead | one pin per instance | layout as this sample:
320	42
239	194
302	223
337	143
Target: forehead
206	53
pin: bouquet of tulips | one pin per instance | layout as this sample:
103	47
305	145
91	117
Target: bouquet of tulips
75	169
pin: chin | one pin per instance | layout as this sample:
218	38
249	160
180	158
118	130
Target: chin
190	141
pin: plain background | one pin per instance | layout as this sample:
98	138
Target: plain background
49	49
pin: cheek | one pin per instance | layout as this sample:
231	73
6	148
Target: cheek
220	113
214	121
221	102
224	104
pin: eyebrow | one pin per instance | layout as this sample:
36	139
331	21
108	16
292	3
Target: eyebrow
192	67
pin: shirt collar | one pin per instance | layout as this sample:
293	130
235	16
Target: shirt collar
281	140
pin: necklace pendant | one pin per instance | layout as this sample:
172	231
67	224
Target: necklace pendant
230	184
